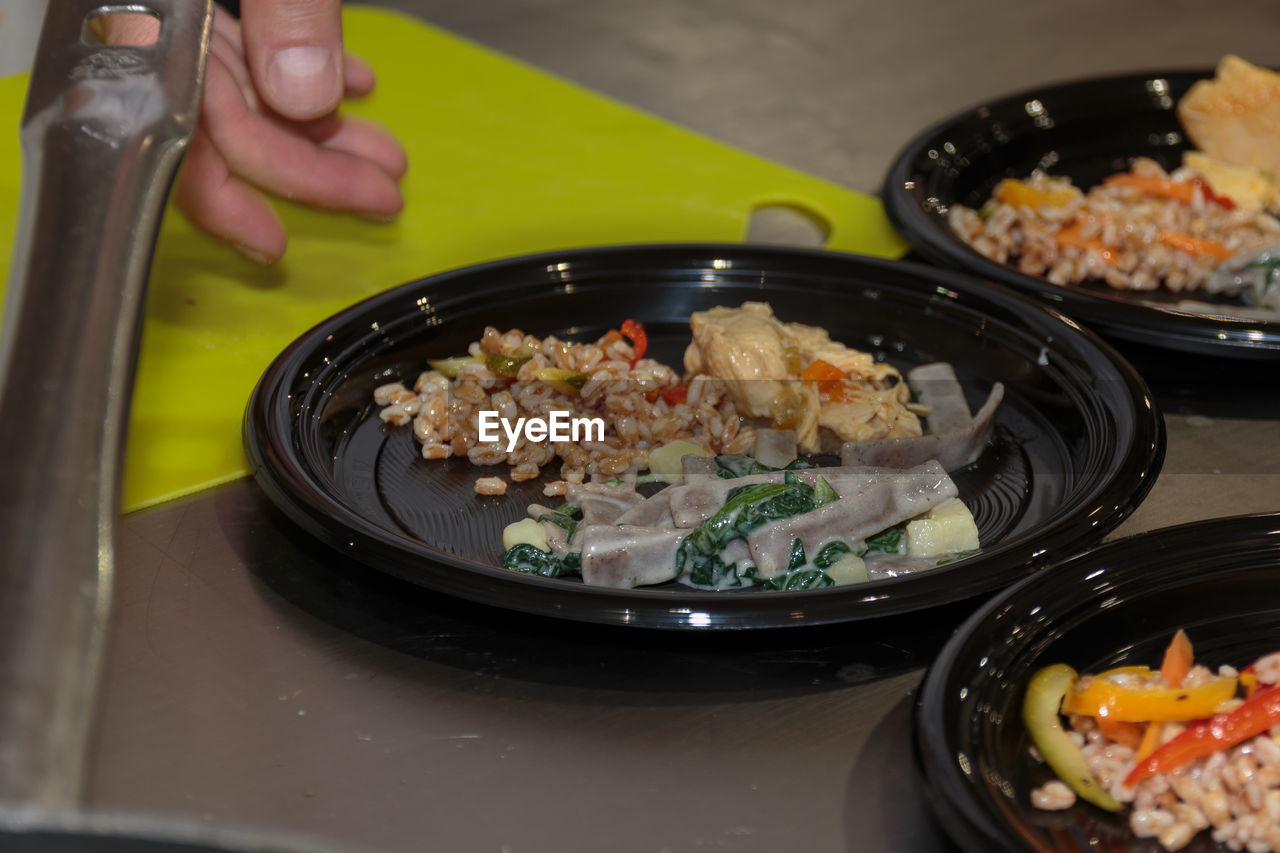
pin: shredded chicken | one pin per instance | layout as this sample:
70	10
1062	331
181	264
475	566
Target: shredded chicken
761	359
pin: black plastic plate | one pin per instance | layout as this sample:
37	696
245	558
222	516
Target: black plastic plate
1118	605
1077	444
1084	130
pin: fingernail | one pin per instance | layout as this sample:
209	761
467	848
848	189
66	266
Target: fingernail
254	254
304	80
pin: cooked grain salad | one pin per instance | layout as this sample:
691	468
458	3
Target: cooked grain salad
1138	230
1187	749
643	404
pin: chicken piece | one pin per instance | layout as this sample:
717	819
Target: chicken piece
1235	117
760	358
750	349
866	414
814	343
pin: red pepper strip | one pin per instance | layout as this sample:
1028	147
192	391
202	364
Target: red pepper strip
634	332
678	394
1205	737
1213	197
1182	191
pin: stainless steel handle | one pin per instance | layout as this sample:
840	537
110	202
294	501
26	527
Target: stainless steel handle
102	136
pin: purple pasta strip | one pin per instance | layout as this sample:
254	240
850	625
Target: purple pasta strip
953	450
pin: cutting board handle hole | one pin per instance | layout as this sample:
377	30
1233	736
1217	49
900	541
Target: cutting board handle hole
788	224
121	26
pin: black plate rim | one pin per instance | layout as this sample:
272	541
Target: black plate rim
315	510
1115	315
950	793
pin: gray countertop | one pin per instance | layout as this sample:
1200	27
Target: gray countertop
257	680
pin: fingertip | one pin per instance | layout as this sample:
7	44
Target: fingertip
393	159
264	256
381	201
394	208
357	76
371	142
225	207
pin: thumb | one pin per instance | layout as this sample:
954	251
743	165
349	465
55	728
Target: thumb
294	53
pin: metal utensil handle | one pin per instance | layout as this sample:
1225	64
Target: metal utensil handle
102	136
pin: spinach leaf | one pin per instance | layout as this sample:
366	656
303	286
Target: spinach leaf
733	465
823	492
831	554
745	509
730	466
892	540
801	574
562	519
530	560
1270	264
958	555
798	559
802	579
559	519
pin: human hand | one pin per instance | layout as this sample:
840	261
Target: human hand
268	125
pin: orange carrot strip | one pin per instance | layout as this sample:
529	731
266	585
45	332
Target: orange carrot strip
821	371
1178	659
1129	734
829	379
1151	740
1069	237
1193	245
1183	191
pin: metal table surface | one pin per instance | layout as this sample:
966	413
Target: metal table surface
257	680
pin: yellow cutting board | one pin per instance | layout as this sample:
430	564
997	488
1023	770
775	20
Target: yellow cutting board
504	160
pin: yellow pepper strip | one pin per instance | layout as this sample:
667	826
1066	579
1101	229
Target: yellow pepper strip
1103	697
1017	193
